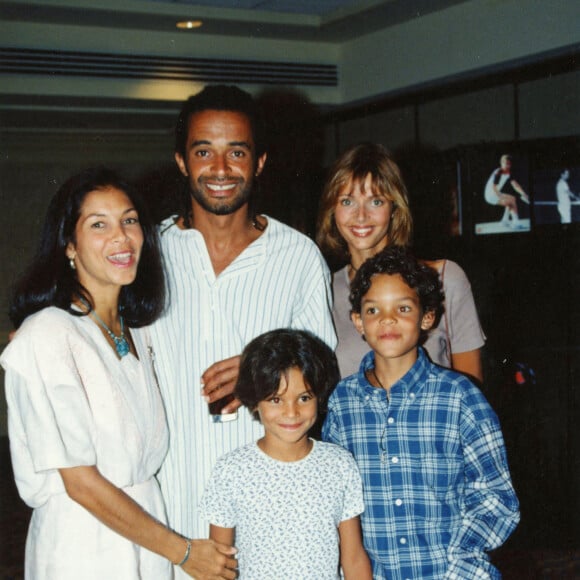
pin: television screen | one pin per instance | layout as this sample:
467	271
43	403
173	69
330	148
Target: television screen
502	199
556	195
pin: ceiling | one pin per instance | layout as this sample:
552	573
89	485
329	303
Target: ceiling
316	7
319	20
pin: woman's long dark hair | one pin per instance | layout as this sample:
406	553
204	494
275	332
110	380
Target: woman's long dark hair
50	281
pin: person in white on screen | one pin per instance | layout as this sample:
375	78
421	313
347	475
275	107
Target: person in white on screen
501	189
565	197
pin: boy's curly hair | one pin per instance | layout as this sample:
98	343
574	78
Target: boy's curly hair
418	276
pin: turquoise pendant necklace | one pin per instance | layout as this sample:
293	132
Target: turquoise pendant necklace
121	344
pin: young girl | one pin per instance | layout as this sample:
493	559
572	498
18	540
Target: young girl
290	503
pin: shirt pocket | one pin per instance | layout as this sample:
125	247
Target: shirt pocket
437	482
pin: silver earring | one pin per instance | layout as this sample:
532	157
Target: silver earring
72	264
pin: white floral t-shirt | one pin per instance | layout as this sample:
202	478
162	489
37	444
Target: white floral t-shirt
286	514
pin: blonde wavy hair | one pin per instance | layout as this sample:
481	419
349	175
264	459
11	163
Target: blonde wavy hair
353	166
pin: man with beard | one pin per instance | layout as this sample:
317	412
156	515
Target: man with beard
232	275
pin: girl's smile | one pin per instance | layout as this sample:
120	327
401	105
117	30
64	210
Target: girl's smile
287	417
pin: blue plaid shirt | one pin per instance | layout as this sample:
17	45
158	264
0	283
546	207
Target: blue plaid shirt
436	483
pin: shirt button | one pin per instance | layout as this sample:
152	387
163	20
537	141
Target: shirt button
411	396
398	502
367	397
403	541
395	460
390	420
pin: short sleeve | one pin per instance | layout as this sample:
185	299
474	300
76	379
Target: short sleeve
460	314
49	413
217	505
353	494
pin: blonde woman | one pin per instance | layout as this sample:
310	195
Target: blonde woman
364	208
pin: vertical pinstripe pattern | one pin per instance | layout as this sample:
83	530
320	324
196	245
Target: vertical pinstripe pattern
280	280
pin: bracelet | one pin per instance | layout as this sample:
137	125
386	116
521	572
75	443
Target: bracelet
187	551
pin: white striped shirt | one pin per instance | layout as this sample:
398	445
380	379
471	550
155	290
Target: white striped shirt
278	281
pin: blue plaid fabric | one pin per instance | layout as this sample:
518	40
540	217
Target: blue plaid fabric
436	483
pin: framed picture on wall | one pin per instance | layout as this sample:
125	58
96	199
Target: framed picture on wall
501	203
556	195
556	182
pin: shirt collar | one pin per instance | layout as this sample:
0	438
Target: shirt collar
411	382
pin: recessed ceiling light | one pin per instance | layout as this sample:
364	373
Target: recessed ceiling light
189	24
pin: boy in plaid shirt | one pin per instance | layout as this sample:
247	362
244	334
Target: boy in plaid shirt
436	483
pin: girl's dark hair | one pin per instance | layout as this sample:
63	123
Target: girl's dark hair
418	276
50	281
271	355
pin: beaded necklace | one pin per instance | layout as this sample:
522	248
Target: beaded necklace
121	343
